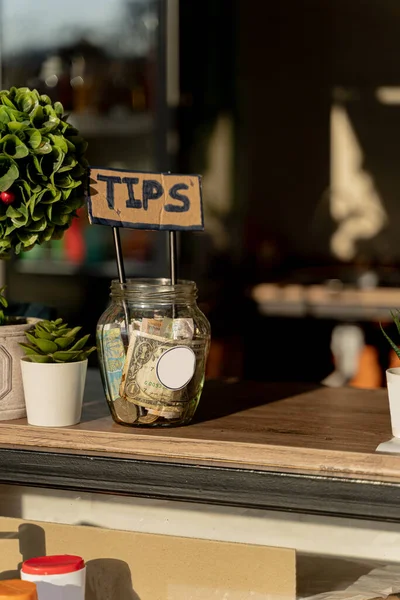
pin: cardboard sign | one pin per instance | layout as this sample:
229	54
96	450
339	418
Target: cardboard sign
145	200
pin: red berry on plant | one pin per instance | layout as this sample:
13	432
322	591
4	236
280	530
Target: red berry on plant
7	197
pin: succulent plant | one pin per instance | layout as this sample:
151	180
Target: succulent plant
55	342
3	304
395	314
43	170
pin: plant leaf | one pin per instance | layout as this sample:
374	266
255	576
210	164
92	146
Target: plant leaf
38	225
64	342
78	141
81	343
8	173
41	325
37	117
74	332
4	99
26	100
13	147
4	244
47	235
46	345
58	233
31	338
43	335
49	196
4	114
40	358
44	99
59	142
3	299
18	216
59	109
61	219
34	138
393	345
27	239
10	228
44	147
395	316
17	127
86	353
28	348
66	356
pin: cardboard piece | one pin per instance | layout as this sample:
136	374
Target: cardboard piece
139	566
145	200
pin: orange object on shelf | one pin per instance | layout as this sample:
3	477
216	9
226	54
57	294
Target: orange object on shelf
369	373
394	360
18	590
74	243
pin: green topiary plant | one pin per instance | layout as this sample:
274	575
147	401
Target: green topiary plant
55	342
43	170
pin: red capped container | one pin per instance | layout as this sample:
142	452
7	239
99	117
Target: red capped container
61	576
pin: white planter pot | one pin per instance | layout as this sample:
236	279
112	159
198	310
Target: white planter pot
12	402
53	392
393	386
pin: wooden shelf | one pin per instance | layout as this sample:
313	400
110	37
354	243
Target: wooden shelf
105	268
131	125
321	301
300	428
253	444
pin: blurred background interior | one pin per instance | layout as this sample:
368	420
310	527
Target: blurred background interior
290	109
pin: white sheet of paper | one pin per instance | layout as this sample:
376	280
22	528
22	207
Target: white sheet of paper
392	446
379	583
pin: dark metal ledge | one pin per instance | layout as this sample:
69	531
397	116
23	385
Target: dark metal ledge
258	489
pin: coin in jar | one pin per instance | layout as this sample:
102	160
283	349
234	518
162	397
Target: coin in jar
125	411
148	419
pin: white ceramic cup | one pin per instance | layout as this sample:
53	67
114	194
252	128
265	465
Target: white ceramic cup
393	387
53	392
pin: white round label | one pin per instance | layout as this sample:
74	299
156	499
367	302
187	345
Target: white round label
175	367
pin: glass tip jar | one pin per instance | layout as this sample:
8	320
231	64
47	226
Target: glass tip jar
153	343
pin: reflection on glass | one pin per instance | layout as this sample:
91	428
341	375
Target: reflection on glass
97	57
356	205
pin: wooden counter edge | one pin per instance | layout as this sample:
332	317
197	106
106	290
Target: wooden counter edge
247	455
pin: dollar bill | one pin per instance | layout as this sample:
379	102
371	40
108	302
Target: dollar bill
140	383
152	326
177	329
114	359
200	348
165	413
